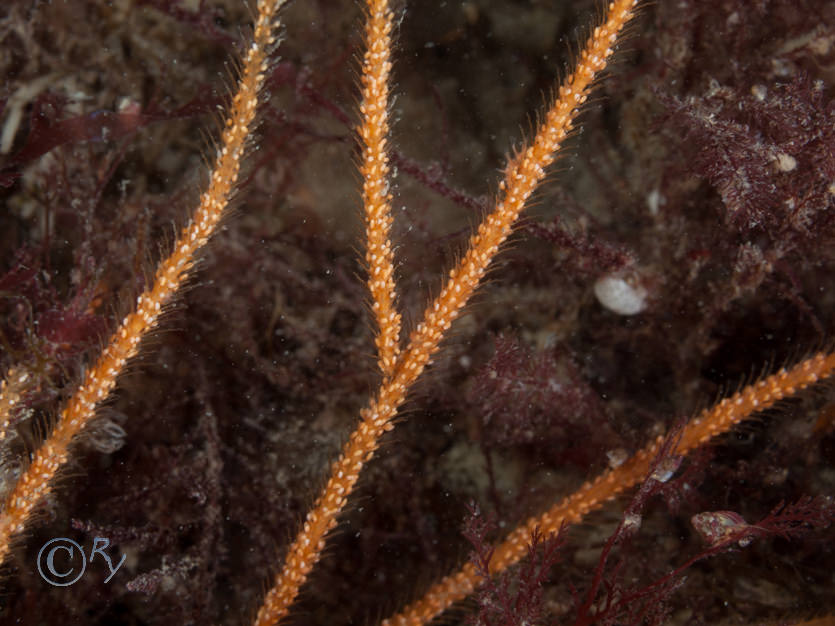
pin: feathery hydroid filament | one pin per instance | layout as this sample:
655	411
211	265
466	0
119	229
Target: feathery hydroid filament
373	130
100	379
592	495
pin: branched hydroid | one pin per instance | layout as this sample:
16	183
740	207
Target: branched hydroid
523	175
38	478
273	339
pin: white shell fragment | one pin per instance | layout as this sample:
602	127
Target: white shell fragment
620	296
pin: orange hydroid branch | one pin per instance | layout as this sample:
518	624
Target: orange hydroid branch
37	481
592	495
522	177
373	132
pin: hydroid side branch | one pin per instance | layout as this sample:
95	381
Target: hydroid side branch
592	495
522	177
37	481
307	547
373	131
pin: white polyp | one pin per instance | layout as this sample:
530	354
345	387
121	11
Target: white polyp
785	162
620	296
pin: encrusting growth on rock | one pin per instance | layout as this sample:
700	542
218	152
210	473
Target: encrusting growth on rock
37	480
523	174
592	495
